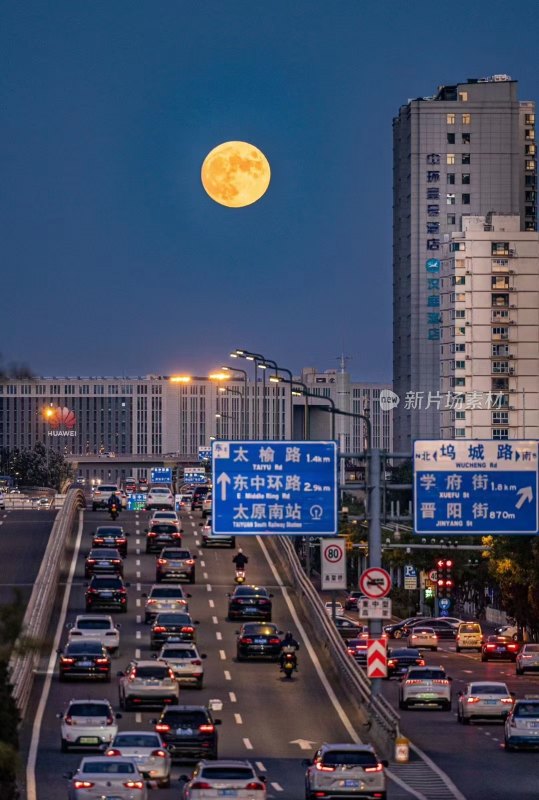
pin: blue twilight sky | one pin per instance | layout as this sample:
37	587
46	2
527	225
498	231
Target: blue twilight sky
114	261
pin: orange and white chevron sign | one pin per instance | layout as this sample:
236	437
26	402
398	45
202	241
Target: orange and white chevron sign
376	658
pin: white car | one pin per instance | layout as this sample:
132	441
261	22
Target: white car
106	777
97	628
484	700
527	659
207	506
165	516
510	631
171	597
185	662
345	771
148	752
87	724
100	497
425	686
210	539
423	637
522	725
339	608
224	779
159	497
150	683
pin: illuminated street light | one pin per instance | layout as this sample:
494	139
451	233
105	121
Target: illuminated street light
180	379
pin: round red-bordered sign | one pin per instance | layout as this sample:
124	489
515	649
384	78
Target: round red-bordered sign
375	582
333	553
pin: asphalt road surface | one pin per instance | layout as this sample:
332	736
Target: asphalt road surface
23	539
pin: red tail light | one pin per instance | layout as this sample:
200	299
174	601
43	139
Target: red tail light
67	660
159	629
161	727
246	640
274	640
255	786
121	541
511	646
206	728
68	719
101	661
421	662
391	662
151	534
491	647
200	785
507	700
116	560
113	752
189	561
196	661
83	784
162	561
441	681
187	629
134	784
110	720
322	767
377	768
150	602
90	560
158	753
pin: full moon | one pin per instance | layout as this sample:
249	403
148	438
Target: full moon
235	174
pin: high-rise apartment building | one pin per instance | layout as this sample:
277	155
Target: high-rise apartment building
468	150
490	331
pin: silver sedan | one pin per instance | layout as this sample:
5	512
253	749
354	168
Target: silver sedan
147	750
484	700
106	776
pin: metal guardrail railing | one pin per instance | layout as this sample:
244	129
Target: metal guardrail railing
376	707
26	656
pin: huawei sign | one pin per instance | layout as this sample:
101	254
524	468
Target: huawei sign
62	421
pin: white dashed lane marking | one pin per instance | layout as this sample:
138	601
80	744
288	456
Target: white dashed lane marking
137	653
233	698
211	603
139	619
208	587
138	635
137	601
222	655
138	717
260	766
228	676
277	787
238	719
248	745
214	620
205	576
218	635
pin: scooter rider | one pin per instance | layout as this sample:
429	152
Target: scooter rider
240	560
114	500
288	646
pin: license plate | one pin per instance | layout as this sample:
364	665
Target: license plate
85	663
500	649
227	793
184	731
490	702
175	564
174	639
111	797
103	564
89	740
106	595
534	724
260	641
348	784
250	610
427	695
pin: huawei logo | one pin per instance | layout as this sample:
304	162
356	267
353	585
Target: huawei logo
63	418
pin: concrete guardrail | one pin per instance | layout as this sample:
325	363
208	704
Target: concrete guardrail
36	620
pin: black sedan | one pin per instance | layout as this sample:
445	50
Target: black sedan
103	561
111	536
258	640
441	627
395	630
500	648
357	649
250	602
347	628
106	592
161	534
84	660
172	626
399	659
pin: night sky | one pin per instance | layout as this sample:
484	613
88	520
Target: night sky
114	261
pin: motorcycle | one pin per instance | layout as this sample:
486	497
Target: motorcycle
240	576
113	512
289	664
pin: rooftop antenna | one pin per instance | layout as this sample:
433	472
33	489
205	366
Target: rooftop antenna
342	359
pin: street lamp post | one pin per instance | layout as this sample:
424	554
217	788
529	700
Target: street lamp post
245	427
231	390
254	357
268	362
221	415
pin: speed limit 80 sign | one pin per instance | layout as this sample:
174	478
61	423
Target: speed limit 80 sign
333	563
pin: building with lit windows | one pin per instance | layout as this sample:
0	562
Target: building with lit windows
490	330
469	149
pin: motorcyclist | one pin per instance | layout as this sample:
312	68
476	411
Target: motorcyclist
288	646
240	560
114	500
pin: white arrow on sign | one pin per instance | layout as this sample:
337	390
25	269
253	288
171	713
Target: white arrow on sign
304	744
526	493
223	480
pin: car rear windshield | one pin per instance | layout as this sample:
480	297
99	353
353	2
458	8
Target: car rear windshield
179	653
531	648
106	583
187	719
93	625
136	740
176	554
527	710
488	688
89	710
404	653
166	591
350	757
160	491
427	675
173	619
152	672
250	590
227	773
104	530
90	648
471	628
260	630
103	553
163	527
109	767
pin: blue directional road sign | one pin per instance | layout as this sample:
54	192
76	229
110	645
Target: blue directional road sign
136	502
194	475
476	487
204	453
161	475
268	487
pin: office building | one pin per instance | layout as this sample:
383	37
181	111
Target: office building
490	331
467	150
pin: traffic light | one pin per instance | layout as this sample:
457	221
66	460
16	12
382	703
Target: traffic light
444	577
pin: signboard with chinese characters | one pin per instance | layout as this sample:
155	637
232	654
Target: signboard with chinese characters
194	475
204	453
161	475
410	577
136	502
368	608
266	487
475	487
333	564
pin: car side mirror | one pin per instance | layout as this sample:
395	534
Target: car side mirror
450	679
120	674
262	778
69	625
59	650
227	594
144	594
154	722
203	655
306	762
67	775
460	694
181	530
59	715
196	621
384	762
188	595
118	715
271	595
128	584
183	778
217	722
127	533
118	625
513	694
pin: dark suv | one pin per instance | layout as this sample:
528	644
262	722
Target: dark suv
188	732
111	536
161	534
175	563
198	496
106	592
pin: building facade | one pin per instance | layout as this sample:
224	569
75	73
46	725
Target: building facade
178	414
490	331
468	150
